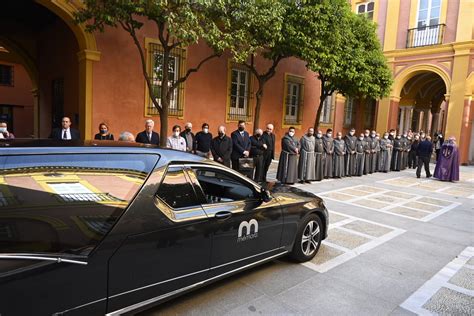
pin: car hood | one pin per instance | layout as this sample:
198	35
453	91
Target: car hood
292	194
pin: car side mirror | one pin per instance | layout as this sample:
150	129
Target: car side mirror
265	195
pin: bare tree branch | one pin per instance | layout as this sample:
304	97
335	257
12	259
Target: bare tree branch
191	70
130	29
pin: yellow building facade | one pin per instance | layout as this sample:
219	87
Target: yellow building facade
429	45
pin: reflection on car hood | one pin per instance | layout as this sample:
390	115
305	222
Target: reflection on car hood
283	190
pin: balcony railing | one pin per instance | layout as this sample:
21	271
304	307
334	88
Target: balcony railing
426	35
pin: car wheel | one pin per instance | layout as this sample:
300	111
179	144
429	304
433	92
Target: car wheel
308	239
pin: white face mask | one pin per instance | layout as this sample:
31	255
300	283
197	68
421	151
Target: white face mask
291	134
176	134
3	129
385	136
205	130
361	138
339	137
329	134
319	135
351	133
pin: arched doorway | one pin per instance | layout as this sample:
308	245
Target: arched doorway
58	56
422	104
421	91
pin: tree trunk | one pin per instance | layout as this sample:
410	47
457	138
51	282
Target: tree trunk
165	100
258	104
320	107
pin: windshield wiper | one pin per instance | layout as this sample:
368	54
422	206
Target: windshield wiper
27	256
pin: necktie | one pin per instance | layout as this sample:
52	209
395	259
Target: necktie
149	137
65	135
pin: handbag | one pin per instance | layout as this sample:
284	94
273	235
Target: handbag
245	163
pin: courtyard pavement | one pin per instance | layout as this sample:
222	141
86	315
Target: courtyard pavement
397	245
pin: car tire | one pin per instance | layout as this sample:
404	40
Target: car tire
308	239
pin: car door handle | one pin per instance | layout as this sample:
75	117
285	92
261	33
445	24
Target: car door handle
223	215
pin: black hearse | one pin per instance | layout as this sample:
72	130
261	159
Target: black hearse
108	228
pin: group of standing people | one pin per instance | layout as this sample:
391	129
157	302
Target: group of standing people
316	156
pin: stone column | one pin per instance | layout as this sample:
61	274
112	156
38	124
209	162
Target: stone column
36	113
402	120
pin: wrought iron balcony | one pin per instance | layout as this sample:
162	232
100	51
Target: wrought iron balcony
426	35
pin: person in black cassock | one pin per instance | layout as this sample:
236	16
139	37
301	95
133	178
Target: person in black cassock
148	136
269	154
319	161
350	157
361	147
397	154
221	147
104	133
328	143
412	163
257	149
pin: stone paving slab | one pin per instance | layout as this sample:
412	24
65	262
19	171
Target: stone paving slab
393	202
447	292
348	237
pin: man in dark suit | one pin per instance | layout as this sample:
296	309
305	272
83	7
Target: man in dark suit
221	147
269	154
65	132
189	137
148	136
240	145
424	151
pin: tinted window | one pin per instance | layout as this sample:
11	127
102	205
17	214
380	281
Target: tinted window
220	186
175	190
65	203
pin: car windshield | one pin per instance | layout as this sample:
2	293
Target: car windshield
65	203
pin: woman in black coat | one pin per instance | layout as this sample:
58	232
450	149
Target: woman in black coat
104	133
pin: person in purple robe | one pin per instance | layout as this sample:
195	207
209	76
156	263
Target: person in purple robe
447	166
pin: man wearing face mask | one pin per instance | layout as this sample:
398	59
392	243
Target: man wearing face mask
377	153
318	159
240	145
175	141
288	163
269	154
397	154
406	148
412	161
361	147
339	153
391	135
306	164
368	152
221	147
350	140
4	133
373	144
188	135
328	143
257	148
385	154
202	142
438	143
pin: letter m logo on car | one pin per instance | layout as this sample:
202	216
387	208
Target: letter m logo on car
247	230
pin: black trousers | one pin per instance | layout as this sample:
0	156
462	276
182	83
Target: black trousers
423	161
412	163
267	161
259	168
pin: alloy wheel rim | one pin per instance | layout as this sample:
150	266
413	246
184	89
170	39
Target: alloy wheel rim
310	238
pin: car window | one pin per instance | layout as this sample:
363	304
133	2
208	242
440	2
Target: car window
175	190
65	203
219	186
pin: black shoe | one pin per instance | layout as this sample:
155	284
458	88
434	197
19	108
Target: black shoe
429	176
418	177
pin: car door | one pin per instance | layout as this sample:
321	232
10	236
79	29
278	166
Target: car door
245	229
170	250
